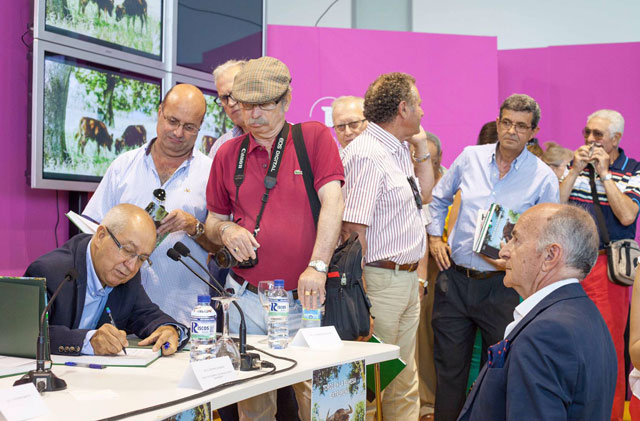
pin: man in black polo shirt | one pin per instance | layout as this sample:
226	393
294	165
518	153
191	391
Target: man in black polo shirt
618	184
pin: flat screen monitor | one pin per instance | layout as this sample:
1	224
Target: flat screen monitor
215	124
86	114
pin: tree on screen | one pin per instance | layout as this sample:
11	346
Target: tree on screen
59	8
56	93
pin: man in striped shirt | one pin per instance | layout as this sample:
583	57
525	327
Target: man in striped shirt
383	204
618	186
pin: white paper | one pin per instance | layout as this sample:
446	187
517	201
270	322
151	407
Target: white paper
136	357
206	374
21	403
324	337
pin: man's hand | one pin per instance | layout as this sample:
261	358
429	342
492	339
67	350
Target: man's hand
240	242
499	264
600	159
311	292
178	220
366	338
581	158
440	251
160	336
108	340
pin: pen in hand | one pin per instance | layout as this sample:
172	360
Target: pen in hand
113	323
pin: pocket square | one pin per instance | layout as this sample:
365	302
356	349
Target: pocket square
497	354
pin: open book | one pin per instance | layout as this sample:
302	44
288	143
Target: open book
494	227
84	225
136	357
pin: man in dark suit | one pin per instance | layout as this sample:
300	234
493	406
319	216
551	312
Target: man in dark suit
557	360
108	264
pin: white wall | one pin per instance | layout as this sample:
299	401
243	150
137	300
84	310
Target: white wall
516	23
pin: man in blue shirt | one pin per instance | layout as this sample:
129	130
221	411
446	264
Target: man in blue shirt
469	292
108	265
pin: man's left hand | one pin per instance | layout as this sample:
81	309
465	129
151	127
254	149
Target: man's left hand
311	292
178	220
160	336
600	159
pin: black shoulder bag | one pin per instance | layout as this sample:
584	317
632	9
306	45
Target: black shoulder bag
346	305
622	255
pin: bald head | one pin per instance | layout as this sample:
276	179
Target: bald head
188	97
348	116
124	216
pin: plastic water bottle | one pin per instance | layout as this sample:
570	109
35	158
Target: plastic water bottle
278	326
203	329
311	318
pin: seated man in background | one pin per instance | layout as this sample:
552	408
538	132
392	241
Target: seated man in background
108	264
557	360
347	113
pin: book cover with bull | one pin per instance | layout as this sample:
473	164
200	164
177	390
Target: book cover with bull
338	392
496	229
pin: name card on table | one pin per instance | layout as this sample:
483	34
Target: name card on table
324	337
21	403
206	374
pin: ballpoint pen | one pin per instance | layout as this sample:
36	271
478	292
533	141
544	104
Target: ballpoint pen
85	365
113	323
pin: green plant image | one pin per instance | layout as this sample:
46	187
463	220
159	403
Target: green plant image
215	124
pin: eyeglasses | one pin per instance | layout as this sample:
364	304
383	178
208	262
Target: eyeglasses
353	125
225	100
175	124
267	106
128	253
507	124
597	134
416	192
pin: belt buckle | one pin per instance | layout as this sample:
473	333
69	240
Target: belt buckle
468	272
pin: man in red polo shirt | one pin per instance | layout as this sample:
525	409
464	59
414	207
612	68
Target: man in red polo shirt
287	244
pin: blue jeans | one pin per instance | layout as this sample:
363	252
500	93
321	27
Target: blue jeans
254	314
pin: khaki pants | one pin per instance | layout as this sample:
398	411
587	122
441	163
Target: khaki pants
263	407
395	306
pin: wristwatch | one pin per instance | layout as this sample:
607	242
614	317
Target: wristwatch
199	231
319	265
607	177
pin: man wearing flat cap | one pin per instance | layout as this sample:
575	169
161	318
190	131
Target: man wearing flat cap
285	243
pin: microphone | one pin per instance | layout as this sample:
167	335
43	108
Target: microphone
185	252
174	254
43	378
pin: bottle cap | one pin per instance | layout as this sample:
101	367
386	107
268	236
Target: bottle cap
278	283
204	299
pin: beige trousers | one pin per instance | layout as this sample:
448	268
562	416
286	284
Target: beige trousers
263	407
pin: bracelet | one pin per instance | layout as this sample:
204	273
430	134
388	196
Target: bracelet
421	159
224	228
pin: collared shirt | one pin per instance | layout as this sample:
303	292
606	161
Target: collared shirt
95	299
287	230
233	133
475	172
527	305
378	195
131	178
625	172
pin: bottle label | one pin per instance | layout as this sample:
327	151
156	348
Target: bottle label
279	306
203	328
310	315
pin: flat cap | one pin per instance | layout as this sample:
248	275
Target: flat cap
261	80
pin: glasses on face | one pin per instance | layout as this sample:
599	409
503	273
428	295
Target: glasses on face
597	134
225	100
175	124
507	124
128	253
415	191
266	106
353	125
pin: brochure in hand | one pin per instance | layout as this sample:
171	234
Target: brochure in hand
496	226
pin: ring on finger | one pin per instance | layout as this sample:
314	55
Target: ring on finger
236	249
314	292
307	293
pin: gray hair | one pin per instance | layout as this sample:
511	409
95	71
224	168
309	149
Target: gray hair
436	141
346	99
616	121
575	231
226	66
524	103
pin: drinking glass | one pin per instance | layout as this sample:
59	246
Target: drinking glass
264	289
225	347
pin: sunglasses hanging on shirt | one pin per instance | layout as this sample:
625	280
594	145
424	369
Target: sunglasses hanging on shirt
415	191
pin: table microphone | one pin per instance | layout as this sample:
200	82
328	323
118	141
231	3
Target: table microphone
184	251
41	377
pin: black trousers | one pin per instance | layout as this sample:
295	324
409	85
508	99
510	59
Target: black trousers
461	305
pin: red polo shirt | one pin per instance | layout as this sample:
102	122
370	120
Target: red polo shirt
287	231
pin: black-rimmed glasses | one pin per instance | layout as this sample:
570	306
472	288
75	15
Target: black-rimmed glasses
225	100
128	253
266	106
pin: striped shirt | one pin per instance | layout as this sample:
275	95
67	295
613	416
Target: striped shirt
378	195
625	172
233	133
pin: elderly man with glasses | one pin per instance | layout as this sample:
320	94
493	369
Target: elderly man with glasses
108	265
617	182
469	293
348	118
170	165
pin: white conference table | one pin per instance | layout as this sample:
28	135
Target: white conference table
95	394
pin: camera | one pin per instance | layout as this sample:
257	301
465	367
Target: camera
224	259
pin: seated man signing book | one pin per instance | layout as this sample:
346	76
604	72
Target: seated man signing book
108	264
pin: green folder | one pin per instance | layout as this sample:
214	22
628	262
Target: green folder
388	371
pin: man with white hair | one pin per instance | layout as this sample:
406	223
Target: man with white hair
617	180
347	113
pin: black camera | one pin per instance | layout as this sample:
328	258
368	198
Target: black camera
224	259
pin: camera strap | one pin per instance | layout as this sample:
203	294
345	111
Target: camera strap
272	171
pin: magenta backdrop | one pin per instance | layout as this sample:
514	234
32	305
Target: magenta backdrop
27	217
456	75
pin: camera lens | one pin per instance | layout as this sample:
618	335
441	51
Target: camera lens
224	259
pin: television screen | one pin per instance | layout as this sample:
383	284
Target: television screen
211	32
91	114
215	124
133	26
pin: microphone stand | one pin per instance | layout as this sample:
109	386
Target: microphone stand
43	378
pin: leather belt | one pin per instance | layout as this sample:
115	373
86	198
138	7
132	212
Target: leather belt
388	264
476	274
602	252
252	288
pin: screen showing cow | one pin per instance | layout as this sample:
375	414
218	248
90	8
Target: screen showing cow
93	113
134	26
215	124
